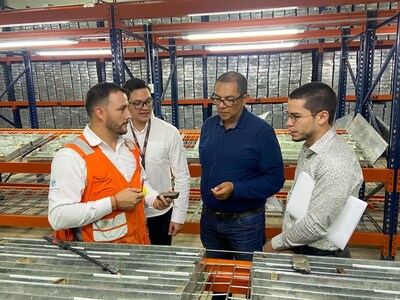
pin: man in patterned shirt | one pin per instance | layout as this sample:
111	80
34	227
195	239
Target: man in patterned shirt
329	161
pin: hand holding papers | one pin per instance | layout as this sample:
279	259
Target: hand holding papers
342	227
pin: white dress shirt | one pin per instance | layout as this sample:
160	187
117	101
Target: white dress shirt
68	182
165	153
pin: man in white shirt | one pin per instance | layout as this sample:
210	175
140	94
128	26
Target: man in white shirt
163	157
96	181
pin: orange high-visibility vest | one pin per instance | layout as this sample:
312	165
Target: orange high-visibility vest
103	180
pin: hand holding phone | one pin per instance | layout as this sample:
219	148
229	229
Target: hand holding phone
165	201
171	195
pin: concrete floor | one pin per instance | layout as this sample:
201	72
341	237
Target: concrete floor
184	240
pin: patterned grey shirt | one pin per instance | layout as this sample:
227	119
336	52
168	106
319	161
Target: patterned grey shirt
337	174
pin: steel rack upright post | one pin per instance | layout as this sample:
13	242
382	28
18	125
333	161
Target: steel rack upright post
344	54
156	70
174	84
148	51
152	67
100	64
116	46
101	70
393	162
30	91
207	108
364	74
318	59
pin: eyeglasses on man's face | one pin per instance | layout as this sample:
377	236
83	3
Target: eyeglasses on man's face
227	101
295	118
140	104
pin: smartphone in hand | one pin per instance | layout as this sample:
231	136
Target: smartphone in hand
171	195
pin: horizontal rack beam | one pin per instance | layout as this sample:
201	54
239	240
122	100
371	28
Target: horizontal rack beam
154	9
358	238
204	102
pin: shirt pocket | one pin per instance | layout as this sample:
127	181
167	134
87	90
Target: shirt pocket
157	152
103	183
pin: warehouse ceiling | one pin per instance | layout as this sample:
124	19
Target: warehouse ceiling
194	6
327	24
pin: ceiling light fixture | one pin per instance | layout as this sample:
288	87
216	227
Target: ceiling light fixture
21	44
241	11
75	52
104	37
239	34
254	46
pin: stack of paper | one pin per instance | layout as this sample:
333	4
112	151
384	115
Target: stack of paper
342	227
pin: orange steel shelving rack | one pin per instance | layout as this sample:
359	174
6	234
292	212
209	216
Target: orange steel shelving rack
190	138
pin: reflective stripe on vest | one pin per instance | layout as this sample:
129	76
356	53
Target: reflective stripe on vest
82	145
107	230
107	224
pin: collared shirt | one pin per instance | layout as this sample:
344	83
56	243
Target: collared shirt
337	174
248	155
68	182
165	154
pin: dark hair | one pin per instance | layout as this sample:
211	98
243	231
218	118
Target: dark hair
239	79
318	96
134	84
99	93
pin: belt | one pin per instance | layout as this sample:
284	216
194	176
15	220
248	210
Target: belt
229	216
307	250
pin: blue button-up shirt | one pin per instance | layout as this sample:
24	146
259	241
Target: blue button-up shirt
248	155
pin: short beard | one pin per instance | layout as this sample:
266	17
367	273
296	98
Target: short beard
116	128
303	137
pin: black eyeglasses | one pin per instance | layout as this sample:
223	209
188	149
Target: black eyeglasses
295	118
140	104
228	101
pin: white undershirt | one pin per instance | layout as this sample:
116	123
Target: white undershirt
165	152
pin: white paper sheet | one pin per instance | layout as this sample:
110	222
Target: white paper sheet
273	204
342	227
301	196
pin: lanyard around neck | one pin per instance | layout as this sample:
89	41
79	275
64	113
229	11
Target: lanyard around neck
146	139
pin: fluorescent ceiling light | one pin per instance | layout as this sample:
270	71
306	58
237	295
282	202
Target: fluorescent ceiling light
253	46
75	52
20	44
94	37
241	11
239	34
33	24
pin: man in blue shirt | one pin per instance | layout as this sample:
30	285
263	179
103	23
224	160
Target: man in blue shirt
241	166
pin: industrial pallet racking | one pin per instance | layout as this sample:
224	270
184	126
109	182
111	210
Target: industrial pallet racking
115	14
31	210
